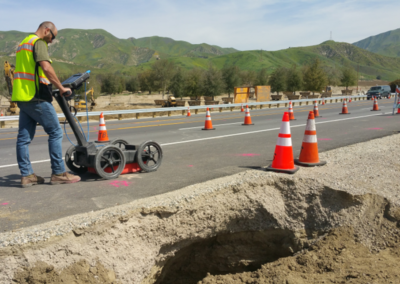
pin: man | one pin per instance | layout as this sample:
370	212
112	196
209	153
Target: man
32	90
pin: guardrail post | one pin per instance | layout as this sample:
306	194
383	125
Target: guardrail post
231	108
119	116
306	103
251	107
196	111
183	112
137	116
2	124
286	104
154	114
300	103
220	109
169	113
261	106
277	105
270	105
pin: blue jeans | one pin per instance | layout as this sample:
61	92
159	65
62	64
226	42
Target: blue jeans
45	114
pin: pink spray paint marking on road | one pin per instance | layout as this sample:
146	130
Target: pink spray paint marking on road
247	155
119	183
375	128
3	204
324	139
190	166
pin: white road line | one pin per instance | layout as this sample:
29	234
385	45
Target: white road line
35	162
213	125
230	135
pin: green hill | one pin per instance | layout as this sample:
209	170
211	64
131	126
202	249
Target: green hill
79	50
387	43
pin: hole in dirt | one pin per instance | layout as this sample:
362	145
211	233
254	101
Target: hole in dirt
227	253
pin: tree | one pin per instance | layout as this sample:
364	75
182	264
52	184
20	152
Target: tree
110	84
212	84
177	86
132	84
294	79
262	77
193	83
231	77
277	80
349	76
163	71
314	78
248	77
146	81
333	75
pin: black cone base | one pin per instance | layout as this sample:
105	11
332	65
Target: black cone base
297	162
292	171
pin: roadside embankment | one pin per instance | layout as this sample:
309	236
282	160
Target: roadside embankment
336	222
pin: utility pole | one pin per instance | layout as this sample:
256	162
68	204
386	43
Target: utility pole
358	67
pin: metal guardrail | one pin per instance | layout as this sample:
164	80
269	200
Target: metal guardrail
171	109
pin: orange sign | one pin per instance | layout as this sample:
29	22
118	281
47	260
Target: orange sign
241	95
263	93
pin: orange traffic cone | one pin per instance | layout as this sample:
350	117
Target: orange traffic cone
247	117
1	113
316	111
188	112
291	114
309	149
242	110
103	136
344	108
388	97
398	109
283	157
208	123
375	107
349	100
372	98
323	101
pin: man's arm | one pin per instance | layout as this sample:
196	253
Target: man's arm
51	75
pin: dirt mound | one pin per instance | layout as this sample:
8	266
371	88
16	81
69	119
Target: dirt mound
78	273
339	257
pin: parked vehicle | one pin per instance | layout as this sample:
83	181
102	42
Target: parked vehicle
378	92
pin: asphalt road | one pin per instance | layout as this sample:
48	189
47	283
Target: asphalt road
190	156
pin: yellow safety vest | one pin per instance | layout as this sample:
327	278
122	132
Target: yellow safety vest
24	88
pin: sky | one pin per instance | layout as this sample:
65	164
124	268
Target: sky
241	24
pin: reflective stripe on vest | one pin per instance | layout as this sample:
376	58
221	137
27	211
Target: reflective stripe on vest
24	88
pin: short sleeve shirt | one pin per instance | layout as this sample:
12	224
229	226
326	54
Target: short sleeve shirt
41	52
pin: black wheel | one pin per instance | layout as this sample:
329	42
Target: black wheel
69	160
109	162
149	156
120	143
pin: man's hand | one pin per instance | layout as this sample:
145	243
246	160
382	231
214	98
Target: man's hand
64	90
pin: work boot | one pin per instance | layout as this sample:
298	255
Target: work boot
64	178
31	180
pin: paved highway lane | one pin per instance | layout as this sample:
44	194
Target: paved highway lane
190	156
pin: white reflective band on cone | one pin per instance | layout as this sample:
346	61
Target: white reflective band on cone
102	128
284	141
311	125
310	138
285	127
208	118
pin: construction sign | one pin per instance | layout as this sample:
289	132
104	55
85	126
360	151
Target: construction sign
241	95
263	93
